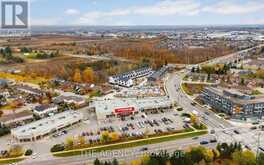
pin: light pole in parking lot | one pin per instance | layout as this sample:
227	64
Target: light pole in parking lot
258	145
178	98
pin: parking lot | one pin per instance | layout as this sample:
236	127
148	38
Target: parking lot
132	126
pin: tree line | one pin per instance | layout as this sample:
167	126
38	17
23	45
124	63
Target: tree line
223	154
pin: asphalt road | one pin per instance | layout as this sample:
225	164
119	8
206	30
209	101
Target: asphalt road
173	84
176	94
122	155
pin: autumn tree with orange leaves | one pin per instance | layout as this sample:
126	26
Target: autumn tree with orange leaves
77	75
88	75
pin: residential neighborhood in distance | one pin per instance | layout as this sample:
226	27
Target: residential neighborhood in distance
143	82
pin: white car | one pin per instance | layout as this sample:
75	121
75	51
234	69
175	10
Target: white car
34	155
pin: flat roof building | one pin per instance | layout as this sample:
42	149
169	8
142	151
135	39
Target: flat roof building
234	102
45	109
78	101
16	118
122	107
29	90
38	129
157	75
3	82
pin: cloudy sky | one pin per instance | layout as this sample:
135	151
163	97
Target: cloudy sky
146	12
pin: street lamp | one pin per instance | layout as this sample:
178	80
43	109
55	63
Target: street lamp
258	142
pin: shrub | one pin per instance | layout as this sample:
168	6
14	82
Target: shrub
28	152
16	151
4	130
186	115
57	148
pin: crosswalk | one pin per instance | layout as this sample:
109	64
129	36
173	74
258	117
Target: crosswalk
250	139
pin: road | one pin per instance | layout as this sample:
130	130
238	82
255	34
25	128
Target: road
173	86
122	155
231	57
224	130
105	57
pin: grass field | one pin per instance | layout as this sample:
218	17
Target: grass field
11	160
135	143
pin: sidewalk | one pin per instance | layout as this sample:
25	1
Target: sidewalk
176	135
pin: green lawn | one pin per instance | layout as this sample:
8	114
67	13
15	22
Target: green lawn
132	144
186	89
199	127
11	160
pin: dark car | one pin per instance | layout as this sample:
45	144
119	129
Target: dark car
255	123
194	138
247	147
213	141
204	142
144	149
236	132
207	113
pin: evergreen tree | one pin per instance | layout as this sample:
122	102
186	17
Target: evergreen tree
97	162
115	162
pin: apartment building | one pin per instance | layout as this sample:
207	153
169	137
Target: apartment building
126	79
233	102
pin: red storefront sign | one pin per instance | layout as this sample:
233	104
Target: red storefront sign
124	110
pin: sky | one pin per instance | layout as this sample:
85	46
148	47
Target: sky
146	12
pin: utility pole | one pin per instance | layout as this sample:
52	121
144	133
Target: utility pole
258	142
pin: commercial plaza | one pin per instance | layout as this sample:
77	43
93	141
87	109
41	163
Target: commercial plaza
39	129
104	109
122	107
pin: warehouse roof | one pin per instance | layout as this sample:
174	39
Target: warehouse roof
45	125
108	106
14	116
236	96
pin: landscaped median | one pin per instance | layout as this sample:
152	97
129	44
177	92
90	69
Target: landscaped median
11	160
132	143
15	154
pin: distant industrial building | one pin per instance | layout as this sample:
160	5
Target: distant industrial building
126	79
38	129
124	107
233	102
3	82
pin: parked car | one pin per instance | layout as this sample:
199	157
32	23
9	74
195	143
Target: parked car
255	123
